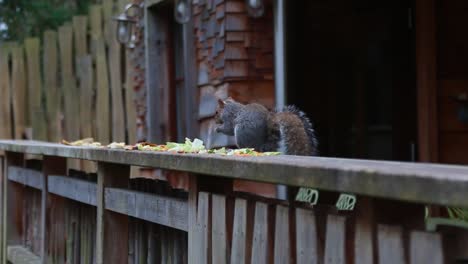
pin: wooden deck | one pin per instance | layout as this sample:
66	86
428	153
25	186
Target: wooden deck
128	223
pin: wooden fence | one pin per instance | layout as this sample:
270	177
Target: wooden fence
54	215
69	84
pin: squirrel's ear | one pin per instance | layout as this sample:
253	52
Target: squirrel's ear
221	103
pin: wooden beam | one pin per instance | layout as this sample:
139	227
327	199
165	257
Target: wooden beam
75	189
158	209
426	72
12	205
27	177
111	227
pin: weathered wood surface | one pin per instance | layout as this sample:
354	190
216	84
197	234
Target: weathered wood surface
412	182
426	248
20	93
51	87
111	227
335	240
260	234
22	255
154	208
390	245
28	177
239	232
306	237
282	242
201	250
102	94
76	189
36	111
5	92
219	230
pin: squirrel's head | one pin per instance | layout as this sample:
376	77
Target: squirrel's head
225	116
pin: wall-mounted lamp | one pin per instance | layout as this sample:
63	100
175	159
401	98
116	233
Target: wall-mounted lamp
255	8
127	23
182	11
462	111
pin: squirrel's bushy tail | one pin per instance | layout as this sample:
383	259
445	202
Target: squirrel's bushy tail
307	126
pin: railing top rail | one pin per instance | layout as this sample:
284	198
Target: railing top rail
412	182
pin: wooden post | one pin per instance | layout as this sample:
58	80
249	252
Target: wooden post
112	228
192	217
12	193
51	165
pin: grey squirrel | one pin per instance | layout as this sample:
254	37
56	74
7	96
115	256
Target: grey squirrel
287	131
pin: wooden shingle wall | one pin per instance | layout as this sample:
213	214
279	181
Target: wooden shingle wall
234	55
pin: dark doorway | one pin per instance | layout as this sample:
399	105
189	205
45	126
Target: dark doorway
351	68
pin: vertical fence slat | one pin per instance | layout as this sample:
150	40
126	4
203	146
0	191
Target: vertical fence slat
95	20
282	243
5	95
111	227
335	240
102	104
239	236
426	248
192	218
85	69
390	244
306	237
219	232
201	240
36	111
52	90
80	26
19	93
70	92
2	188
260	234
363	236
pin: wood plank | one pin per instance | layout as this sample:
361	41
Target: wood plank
239	230
363	237
426	74
12	228
163	210
6	130
80	30
95	20
111	227
82	191
306	237
335	240
116	81
19	91
237	22
52	91
192	218
27	177
102	95
22	255
260	234
219	230
282	242
426	248
202	250
390	244
2	210
69	87
36	111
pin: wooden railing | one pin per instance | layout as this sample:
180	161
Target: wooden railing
54	215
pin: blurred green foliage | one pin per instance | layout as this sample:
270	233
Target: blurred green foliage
24	18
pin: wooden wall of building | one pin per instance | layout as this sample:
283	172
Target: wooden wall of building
234	55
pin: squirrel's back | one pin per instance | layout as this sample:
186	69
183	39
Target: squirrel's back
297	136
